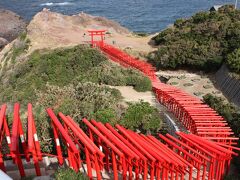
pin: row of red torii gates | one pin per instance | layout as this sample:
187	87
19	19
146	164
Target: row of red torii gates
204	153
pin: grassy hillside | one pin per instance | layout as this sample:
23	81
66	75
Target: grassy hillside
202	42
64	67
74	81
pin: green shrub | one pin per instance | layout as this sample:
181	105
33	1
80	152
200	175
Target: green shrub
23	36
18	50
106	116
231	113
163	36
62	67
78	101
233	61
114	75
139	83
200	17
179	22
20	46
141	116
228	111
67	174
70	81
232	177
201	42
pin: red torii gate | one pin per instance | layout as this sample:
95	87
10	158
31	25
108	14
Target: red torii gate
94	33
125	151
116	149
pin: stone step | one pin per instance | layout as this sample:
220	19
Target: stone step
26	166
29	168
15	175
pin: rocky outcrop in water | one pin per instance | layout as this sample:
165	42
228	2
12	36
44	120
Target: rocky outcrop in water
11	25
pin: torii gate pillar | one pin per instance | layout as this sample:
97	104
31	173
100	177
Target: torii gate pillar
94	33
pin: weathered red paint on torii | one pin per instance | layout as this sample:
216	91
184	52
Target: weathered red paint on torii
97	33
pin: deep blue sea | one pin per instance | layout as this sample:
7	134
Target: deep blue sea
138	15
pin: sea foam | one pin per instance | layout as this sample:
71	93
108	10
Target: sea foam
56	4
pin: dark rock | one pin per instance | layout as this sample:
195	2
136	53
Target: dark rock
3	42
11	25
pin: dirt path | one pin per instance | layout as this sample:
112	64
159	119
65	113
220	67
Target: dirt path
131	95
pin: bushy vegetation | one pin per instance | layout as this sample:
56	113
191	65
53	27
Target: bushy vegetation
230	112
19	47
81	100
73	81
202	42
67	174
233	60
232	177
141	116
112	74
78	101
62	67
59	67
92	102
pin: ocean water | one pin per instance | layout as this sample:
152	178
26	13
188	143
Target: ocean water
137	15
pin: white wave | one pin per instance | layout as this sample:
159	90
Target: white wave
56	4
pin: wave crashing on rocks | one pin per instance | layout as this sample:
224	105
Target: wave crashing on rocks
57	4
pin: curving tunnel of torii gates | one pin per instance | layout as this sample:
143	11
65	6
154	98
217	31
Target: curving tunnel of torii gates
122	152
205	153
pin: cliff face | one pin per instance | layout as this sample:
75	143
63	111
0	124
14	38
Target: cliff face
50	29
11	25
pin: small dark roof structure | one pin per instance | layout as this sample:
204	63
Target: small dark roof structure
215	8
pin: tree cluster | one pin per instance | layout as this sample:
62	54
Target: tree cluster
202	42
230	112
